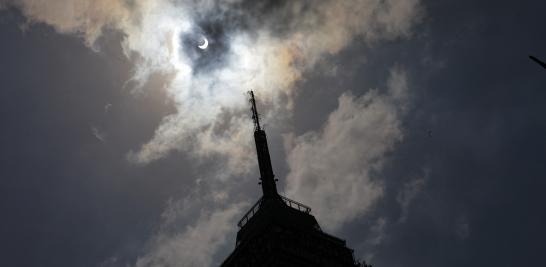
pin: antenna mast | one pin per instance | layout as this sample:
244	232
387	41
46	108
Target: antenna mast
255	115
269	187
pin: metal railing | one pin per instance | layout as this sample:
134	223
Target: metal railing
256	207
296	205
250	213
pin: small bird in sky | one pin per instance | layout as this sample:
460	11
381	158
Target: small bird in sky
429	132
538	61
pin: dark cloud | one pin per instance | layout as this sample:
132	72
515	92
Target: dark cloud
480	95
250	16
214	56
469	195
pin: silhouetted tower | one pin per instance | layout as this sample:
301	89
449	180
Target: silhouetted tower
278	231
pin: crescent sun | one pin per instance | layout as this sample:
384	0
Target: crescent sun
205	43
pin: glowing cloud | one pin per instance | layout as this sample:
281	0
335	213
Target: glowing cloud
331	169
259	55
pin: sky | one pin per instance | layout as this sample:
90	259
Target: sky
414	129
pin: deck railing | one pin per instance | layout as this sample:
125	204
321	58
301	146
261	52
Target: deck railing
250	213
256	207
295	205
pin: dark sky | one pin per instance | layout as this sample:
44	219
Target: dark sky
462	184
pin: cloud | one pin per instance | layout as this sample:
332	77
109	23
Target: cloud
100	135
107	108
377	235
377	231
331	169
409	192
81	17
195	245
266	46
271	63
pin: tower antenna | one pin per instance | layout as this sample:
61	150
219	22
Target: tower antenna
267	178
255	115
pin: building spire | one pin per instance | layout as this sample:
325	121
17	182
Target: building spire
255	115
269	187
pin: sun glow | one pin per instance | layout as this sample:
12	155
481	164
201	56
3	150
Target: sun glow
202	93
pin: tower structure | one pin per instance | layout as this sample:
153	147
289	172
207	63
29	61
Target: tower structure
278	231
